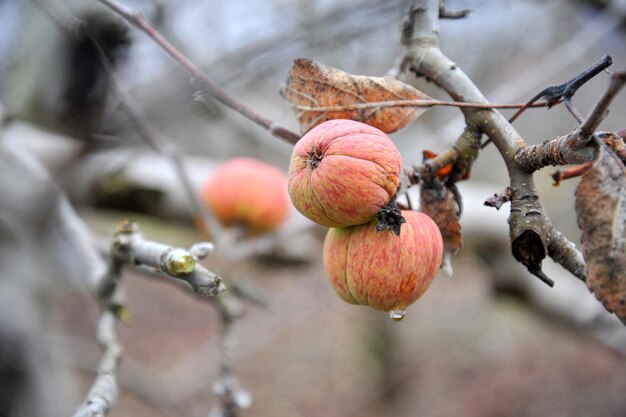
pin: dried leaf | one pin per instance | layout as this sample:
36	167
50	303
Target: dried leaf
318	93
601	215
440	204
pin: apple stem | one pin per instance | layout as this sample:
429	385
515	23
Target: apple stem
314	159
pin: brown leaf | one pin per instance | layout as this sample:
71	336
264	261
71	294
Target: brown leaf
440	204
601	215
318	93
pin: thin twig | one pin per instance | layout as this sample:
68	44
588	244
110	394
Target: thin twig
564	252
103	394
129	248
573	172
585	132
555	94
137	19
232	397
204	218
571	149
174	262
415	103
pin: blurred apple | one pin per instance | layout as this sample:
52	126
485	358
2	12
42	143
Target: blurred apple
248	193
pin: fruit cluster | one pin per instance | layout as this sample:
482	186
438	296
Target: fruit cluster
342	173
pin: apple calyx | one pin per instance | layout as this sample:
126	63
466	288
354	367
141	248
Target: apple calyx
390	218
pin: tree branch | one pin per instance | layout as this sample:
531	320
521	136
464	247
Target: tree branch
102	396
527	223
565	253
129	248
585	132
415	103
555	152
572	148
554	94
179	263
137	19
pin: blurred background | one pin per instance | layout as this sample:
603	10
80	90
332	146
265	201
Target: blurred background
490	341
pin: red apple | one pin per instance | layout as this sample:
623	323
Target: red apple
343	172
248	192
382	270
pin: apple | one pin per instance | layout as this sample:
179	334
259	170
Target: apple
342	172
380	269
249	193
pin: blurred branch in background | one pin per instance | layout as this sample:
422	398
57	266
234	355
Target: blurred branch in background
137	19
205	220
45	248
129	247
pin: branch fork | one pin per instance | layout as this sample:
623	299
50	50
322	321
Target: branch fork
532	235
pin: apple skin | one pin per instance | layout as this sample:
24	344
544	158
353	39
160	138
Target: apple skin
248	192
382	270
343	172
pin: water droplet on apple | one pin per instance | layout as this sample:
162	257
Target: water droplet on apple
397	315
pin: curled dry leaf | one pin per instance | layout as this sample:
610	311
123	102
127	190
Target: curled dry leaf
318	93
440	204
601	215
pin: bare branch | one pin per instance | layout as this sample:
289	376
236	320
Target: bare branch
554	94
129	248
555	152
137	19
529	227
102	396
565	253
585	132
416	103
571	149
174	262
573	172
